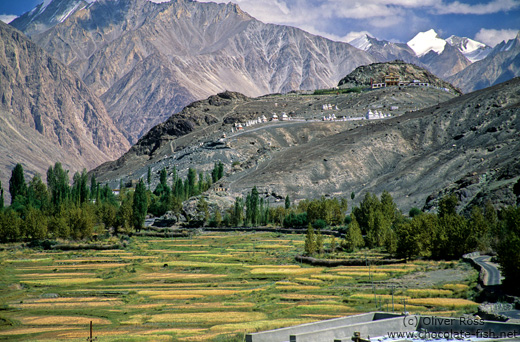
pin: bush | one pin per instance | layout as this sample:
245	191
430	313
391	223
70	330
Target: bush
319	224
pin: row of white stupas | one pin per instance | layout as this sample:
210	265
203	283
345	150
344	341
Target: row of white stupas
375	115
239	125
329	107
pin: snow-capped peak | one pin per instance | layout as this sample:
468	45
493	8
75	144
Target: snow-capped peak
473	50
362	42
425	42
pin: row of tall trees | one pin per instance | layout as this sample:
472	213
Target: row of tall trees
59	209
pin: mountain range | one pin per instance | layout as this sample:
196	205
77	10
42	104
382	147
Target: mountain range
148	60
131	65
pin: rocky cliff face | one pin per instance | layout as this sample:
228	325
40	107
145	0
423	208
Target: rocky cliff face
147	60
48	114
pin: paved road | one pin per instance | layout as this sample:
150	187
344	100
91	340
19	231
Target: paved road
492	272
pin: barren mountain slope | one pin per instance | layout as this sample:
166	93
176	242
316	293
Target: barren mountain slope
47	112
192	50
469	144
412	156
194	137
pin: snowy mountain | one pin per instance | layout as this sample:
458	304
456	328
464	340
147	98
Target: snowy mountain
425	42
473	50
385	51
363	42
48	14
501	64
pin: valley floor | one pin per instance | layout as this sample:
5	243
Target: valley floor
209	287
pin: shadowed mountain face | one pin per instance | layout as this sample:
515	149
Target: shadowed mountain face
47	113
147	61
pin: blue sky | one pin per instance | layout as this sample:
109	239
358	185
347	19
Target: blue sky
489	21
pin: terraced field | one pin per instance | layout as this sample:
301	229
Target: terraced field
203	288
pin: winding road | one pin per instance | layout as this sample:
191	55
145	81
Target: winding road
492	272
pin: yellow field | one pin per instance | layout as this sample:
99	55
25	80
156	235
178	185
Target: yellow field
259	325
423	293
208	317
180	276
304	296
197	289
284	271
24	331
330	277
62	281
62	320
451	303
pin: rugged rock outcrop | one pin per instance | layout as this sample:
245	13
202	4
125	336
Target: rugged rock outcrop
47	113
362	76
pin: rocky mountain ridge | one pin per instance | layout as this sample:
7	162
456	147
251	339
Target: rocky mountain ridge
48	114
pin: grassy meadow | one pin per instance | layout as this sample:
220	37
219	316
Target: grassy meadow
208	287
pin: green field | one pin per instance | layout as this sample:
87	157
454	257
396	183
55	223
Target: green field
207	287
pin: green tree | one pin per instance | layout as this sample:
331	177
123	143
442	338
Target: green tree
237	212
94	188
365	212
58	226
448	205
319	242
333	244
287	202
149	177
310	241
252	207
191	180
139	206
508	252
1	197
353	237
10	226
58	184
17	185
37	194
416	237
35	224
124	214
478	238
202	211
220	170
414	212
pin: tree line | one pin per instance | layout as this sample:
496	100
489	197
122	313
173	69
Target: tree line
77	210
59	209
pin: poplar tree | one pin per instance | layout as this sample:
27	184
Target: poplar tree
139	206
17	186
310	241
1	197
353	238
